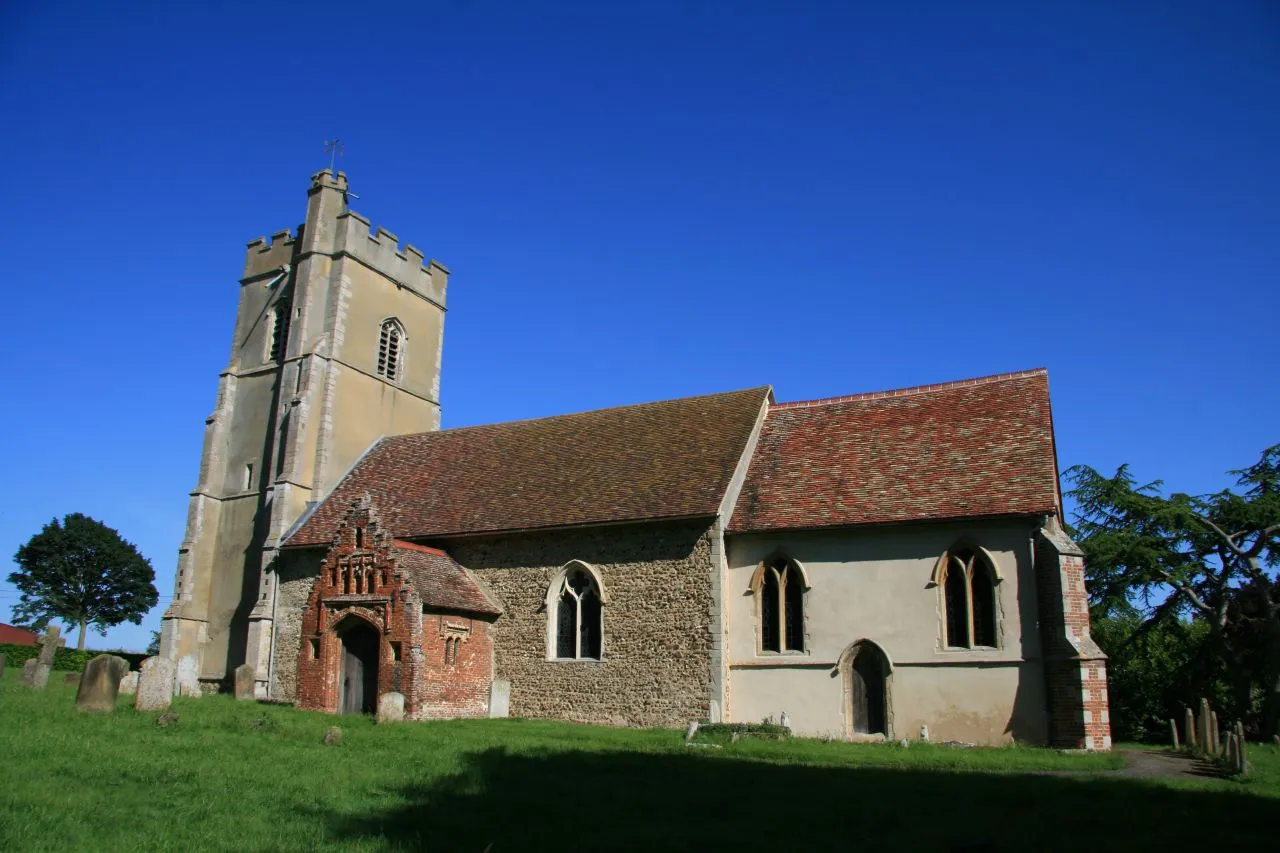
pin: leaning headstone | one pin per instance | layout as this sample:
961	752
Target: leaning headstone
500	698
155	685
391	708
100	684
49	643
1190	728
187	677
1173	732
245	681
28	671
691	731
129	684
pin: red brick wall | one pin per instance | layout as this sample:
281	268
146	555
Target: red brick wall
363	584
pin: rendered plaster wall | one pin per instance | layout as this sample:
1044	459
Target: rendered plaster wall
877	585
655	668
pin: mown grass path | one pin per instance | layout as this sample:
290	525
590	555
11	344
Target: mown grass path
244	776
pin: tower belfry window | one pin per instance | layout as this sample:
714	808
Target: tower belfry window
390	350
280	328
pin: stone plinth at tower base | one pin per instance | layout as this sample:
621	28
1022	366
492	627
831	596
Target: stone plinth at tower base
100	684
155	685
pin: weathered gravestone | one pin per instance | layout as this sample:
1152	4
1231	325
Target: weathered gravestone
39	674
500	698
1	664
245	681
100	684
391	707
129	684
155	685
187	678
28	671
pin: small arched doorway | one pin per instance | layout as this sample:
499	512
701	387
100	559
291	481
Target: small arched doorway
867	700
358	671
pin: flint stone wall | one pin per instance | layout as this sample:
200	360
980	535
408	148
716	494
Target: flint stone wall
296	572
656	667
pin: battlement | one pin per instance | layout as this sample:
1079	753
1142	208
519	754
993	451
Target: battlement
381	249
325	179
263	255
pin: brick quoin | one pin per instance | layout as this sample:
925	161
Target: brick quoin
1075	668
360	581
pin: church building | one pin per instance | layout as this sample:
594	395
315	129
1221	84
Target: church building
877	565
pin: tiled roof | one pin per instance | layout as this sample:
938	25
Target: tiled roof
979	447
657	460
441	582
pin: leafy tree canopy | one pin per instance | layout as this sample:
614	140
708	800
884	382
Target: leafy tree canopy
82	572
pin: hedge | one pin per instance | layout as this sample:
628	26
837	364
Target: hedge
65	659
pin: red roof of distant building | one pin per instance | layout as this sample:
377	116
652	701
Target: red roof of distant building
16	636
978	447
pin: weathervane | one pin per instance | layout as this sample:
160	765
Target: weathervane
335	149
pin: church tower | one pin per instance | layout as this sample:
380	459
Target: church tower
337	342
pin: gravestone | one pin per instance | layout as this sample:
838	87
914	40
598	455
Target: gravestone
500	698
1215	733
391	707
100	684
1	664
155	685
1173	732
1190	725
691	731
187	677
245	681
129	684
28	671
49	643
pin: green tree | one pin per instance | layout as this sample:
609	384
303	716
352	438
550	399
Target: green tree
80	571
1160	558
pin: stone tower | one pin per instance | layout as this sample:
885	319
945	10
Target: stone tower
337	342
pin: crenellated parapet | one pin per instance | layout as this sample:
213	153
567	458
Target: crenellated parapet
381	249
265	256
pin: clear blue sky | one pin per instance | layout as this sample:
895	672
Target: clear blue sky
646	202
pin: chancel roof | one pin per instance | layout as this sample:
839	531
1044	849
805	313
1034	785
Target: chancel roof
672	459
974	448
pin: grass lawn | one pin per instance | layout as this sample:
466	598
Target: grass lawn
243	776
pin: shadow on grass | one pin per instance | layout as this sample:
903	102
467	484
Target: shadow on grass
637	801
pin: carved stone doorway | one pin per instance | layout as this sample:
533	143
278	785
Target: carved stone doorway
868	705
358	670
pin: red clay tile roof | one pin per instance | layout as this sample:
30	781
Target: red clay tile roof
441	582
979	447
13	635
657	460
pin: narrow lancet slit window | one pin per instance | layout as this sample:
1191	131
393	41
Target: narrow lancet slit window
280	329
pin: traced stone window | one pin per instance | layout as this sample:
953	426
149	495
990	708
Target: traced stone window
280	328
969	600
578	616
780	589
391	350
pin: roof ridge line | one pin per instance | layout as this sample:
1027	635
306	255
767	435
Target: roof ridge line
763	388
915	389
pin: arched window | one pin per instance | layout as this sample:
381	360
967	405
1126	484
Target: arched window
391	350
969	600
576	615
780	588
280	328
